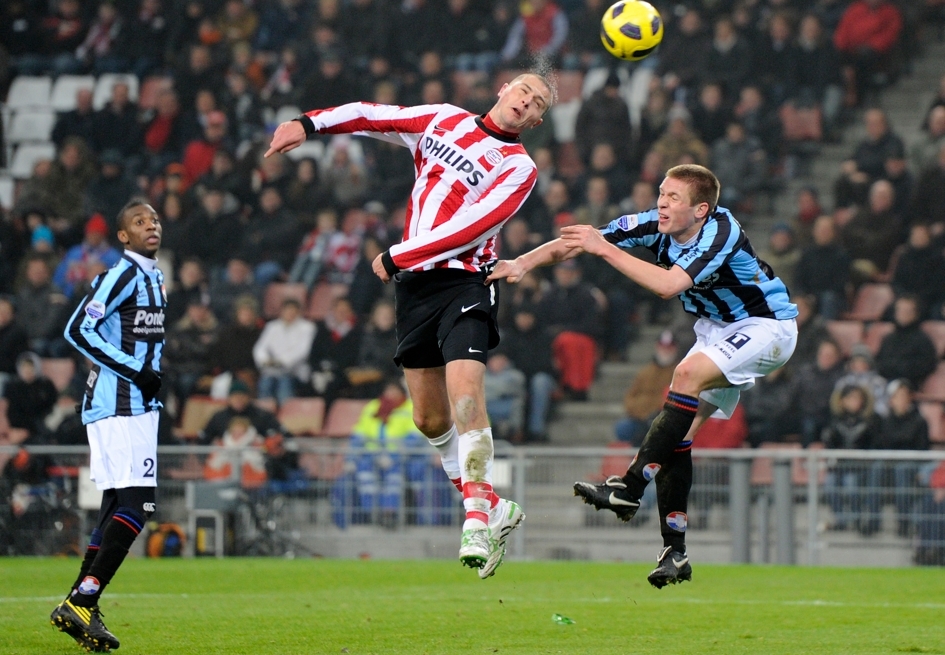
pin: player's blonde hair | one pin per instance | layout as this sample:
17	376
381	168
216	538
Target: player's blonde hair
702	183
542	69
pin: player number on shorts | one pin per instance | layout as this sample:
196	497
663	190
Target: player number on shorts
149	465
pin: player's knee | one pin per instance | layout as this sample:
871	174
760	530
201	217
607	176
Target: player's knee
432	425
686	379
467	409
141	500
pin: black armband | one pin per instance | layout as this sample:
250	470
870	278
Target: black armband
306	124
389	264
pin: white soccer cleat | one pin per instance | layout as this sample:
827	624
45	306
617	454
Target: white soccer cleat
505	517
474	548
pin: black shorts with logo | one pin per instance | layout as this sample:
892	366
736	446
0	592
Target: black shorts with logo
444	315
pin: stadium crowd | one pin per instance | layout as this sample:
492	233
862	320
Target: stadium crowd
270	258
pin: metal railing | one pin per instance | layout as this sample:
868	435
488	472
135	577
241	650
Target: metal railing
782	505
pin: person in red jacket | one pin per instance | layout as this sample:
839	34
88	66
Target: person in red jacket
198	155
865	38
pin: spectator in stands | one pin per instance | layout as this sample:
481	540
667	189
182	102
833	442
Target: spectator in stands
191	286
239	405
907	352
739	162
240	456
13	340
928	204
925	152
270	237
853	426
282	351
865	38
366	289
811	331
375	361
711	116
286	81
198	154
679	140
528	345
641	198
824	269
644	397
243	106
604	118
760	120
223	175
73	269
30	395
583	51
570	310
100	51
20	32
903	429
542	28
604	163
729	59
188	346
76	122
312	258
505	389
198	73
599	208
163	134
345	177
778	59
110	189
918	268
897	173
335	349
41	307
236	282
682	57
381	468
214	232
115	126
770	410
815	383
65	186
782	254
365	28
233	350
281	22
870	155
818	74
63	32
861	371
329	85
871	234
304	193
237	22
147	31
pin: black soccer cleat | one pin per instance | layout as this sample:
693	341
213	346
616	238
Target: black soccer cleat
610	494
84	624
671	567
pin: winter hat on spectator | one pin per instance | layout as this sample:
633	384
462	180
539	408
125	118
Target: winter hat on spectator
862	351
612	80
238	386
42	235
679	113
96	225
896	385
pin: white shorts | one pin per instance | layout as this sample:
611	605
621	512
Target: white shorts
744	350
124	451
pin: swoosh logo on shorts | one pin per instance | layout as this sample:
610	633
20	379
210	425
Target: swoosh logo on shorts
466	309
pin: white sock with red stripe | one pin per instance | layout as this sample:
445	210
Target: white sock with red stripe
448	447
475	458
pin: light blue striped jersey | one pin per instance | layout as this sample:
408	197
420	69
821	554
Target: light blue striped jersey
119	325
730	283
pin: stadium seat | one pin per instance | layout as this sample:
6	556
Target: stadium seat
310	149
65	88
932	413
303	416
870	302
617	460
565	115
151	88
846	333
286	113
875	333
936	332
198	410
7	187
570	84
463	83
29	92
32	125
342	417
26	156
268	404
59	370
934	386
322	297
277	292
104	84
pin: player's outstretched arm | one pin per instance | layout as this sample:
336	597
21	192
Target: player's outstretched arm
662	282
288	136
513	270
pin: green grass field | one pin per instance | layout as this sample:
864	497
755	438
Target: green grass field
358	607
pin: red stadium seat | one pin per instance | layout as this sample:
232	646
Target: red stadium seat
934	386
870	302
617	460
303	415
569	164
570	84
762	468
342	416
322	298
846	333
277	293
151	88
198	410
268	404
936	332
932	413
875	334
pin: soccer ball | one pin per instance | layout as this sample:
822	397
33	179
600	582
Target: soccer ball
631	29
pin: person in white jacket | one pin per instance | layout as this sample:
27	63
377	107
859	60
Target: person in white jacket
281	353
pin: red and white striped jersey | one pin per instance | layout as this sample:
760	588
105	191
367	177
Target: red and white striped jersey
470	179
